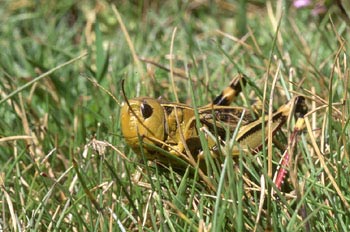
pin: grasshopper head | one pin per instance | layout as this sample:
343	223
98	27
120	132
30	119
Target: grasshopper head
142	118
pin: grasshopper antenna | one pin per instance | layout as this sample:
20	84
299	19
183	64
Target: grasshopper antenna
125	97
131	109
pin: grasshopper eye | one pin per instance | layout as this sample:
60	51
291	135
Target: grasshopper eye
146	110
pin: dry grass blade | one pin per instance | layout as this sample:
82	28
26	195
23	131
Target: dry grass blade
269	125
41	77
15	137
94	82
11	208
171	62
261	201
324	165
128	40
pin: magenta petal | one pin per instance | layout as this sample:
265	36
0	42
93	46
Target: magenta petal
319	9
301	3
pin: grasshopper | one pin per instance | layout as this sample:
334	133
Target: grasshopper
169	134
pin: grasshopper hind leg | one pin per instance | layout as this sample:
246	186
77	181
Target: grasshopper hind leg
229	94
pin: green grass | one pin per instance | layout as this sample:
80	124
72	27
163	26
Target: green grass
52	180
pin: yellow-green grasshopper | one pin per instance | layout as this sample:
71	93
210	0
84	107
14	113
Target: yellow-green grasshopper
169	134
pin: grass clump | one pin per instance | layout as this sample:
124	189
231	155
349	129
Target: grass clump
65	166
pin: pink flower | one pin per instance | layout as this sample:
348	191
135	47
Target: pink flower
301	3
319	9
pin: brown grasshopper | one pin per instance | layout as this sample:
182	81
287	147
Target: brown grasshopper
169	134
